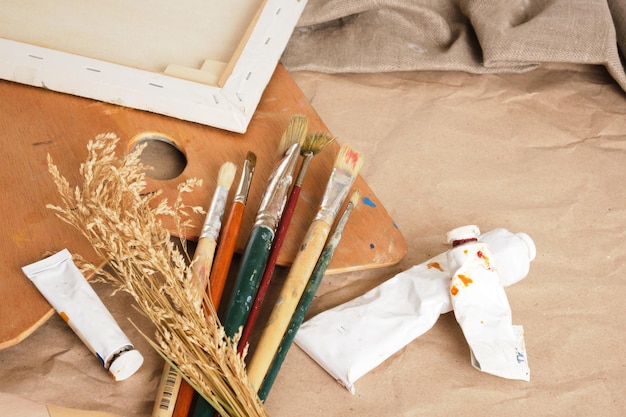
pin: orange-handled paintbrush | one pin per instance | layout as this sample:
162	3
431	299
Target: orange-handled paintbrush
221	266
230	232
175	395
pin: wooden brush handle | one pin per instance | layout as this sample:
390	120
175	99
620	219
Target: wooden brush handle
247	281
281	232
225	252
217	281
201	267
288	299
296	321
167	392
184	401
305	301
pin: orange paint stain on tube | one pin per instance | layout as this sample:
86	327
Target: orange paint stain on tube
465	279
435	265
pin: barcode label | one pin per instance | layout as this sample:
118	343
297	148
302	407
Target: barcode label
167	393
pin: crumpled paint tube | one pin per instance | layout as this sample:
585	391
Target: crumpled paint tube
353	338
66	289
482	309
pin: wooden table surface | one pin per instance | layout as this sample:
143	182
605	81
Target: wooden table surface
35	122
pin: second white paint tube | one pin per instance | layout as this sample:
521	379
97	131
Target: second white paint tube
60	281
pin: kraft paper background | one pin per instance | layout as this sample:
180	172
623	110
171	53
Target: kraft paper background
541	151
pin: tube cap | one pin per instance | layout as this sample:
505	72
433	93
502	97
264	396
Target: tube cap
532	249
463	233
126	365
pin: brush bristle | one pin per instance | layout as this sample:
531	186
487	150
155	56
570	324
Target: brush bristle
226	174
315	143
251	158
294	133
349	160
355	198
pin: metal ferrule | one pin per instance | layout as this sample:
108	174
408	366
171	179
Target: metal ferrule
341	223
213	219
275	196
241	195
306	161
336	190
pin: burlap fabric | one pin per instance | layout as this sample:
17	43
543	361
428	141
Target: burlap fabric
477	36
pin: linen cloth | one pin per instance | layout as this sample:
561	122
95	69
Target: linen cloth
477	36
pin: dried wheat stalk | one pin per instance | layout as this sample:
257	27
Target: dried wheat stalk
123	225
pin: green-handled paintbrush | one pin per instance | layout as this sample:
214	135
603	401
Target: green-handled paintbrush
307	296
259	242
347	166
313	144
261	236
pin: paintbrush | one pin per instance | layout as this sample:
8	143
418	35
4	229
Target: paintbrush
345	170
259	241
174	394
185	394
313	144
221	265
230	232
207	242
307	296
261	236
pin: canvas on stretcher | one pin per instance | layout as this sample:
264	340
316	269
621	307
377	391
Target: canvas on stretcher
201	61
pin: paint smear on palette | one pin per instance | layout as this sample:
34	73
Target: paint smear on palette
368	202
20	240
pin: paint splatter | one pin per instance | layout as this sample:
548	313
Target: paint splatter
20	240
47	142
372	246
435	265
64	316
482	256
368	202
454	290
465	279
352	158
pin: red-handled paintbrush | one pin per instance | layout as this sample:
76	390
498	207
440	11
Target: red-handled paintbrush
347	167
313	144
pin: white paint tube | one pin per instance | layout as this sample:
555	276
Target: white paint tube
66	289
482	309
353	338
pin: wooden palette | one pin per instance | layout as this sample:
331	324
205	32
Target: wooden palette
35	122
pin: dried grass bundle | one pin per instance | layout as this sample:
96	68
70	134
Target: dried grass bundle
123	225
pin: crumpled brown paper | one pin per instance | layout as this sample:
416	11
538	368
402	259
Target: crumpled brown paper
16	406
543	152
